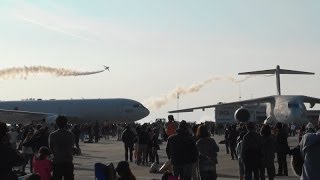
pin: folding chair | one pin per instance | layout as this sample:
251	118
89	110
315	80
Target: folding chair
100	171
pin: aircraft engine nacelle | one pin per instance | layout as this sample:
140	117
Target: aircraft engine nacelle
51	119
242	115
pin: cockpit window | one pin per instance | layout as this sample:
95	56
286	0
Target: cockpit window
293	105
137	105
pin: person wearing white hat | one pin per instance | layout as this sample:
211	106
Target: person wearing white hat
309	149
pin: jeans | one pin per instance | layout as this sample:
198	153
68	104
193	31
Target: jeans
128	147
282	161
184	171
249	169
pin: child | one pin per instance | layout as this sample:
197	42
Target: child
124	171
41	163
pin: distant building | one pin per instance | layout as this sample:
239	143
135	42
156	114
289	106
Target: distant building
225	114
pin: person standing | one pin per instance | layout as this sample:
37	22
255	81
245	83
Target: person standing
76	133
128	138
13	133
155	146
143	140
208	150
301	132
195	166
61	143
310	128
226	135
268	150
119	131
27	152
309	149
149	145
293	129
171	126
251	152
238	152
182	152
8	156
283	150
96	131
232	140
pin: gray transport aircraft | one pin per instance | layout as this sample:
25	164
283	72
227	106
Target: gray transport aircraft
76	110
279	108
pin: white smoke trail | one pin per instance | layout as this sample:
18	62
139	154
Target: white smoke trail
24	72
158	102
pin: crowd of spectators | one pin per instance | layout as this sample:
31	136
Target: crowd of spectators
190	148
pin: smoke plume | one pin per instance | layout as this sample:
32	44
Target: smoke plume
158	102
24	72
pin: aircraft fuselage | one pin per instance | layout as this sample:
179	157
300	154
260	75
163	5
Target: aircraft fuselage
84	110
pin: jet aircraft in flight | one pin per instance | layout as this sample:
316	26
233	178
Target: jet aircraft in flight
280	108
106	67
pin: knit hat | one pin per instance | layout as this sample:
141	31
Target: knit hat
122	166
309	126
183	125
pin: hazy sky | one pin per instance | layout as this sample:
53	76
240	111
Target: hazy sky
154	47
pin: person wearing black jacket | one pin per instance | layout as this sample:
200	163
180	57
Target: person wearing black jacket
61	143
232	140
8	156
226	135
143	140
251	152
128	138
39	139
282	150
182	152
268	144
76	133
155	146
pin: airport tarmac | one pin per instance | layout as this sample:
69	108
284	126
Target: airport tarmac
107	151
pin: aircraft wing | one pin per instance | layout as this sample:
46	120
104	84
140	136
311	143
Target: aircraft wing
311	100
313	112
22	117
266	99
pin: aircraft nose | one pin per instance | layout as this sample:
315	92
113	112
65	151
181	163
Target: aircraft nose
142	113
146	112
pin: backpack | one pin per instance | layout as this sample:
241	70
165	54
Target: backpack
296	160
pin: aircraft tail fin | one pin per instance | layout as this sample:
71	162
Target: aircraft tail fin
277	71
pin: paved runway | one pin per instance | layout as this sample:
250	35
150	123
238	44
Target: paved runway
107	151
